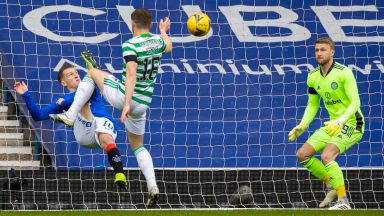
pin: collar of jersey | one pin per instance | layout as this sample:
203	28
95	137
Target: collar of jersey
329	70
145	35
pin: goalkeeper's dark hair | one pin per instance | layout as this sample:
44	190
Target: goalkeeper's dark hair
142	18
62	69
326	40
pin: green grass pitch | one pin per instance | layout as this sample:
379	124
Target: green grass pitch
246	212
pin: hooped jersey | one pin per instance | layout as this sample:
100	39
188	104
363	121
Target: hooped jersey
147	50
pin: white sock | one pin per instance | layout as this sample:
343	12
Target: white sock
144	160
83	94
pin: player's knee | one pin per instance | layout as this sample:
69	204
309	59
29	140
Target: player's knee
91	72
301	155
326	158
105	139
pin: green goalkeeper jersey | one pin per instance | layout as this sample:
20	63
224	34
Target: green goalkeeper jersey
340	95
146	50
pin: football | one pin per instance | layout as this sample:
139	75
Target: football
241	197
199	24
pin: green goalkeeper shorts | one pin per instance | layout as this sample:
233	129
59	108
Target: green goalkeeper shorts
343	140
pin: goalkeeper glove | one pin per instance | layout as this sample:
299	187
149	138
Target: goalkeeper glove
333	127
297	131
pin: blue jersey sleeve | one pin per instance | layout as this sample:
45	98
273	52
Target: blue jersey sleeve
67	102
42	113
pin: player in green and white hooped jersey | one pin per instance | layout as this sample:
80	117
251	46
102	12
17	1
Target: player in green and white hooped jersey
336	85
133	94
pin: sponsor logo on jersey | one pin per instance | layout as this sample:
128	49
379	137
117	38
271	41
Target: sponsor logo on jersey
328	95
332	102
82	121
334	85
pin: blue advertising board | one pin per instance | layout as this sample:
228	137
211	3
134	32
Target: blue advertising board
226	100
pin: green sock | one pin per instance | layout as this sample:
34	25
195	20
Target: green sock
317	168
337	179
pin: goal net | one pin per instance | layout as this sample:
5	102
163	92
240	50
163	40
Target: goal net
222	108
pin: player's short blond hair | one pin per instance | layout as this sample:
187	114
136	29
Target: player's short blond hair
326	40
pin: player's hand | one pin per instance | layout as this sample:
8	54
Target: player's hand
296	132
20	88
165	24
333	127
125	113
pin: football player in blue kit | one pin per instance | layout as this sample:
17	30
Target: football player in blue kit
94	126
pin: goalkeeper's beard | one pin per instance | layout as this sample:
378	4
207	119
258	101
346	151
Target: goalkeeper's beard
323	62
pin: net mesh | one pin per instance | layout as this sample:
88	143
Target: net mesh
222	107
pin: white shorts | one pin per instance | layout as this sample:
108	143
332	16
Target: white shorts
114	94
86	131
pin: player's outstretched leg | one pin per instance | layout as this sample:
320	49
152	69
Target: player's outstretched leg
83	93
331	195
89	60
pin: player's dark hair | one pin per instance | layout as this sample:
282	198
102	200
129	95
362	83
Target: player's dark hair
326	40
62	69
142	18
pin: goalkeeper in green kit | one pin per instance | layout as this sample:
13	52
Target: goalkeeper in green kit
336	85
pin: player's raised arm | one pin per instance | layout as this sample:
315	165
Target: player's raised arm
164	26
38	113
